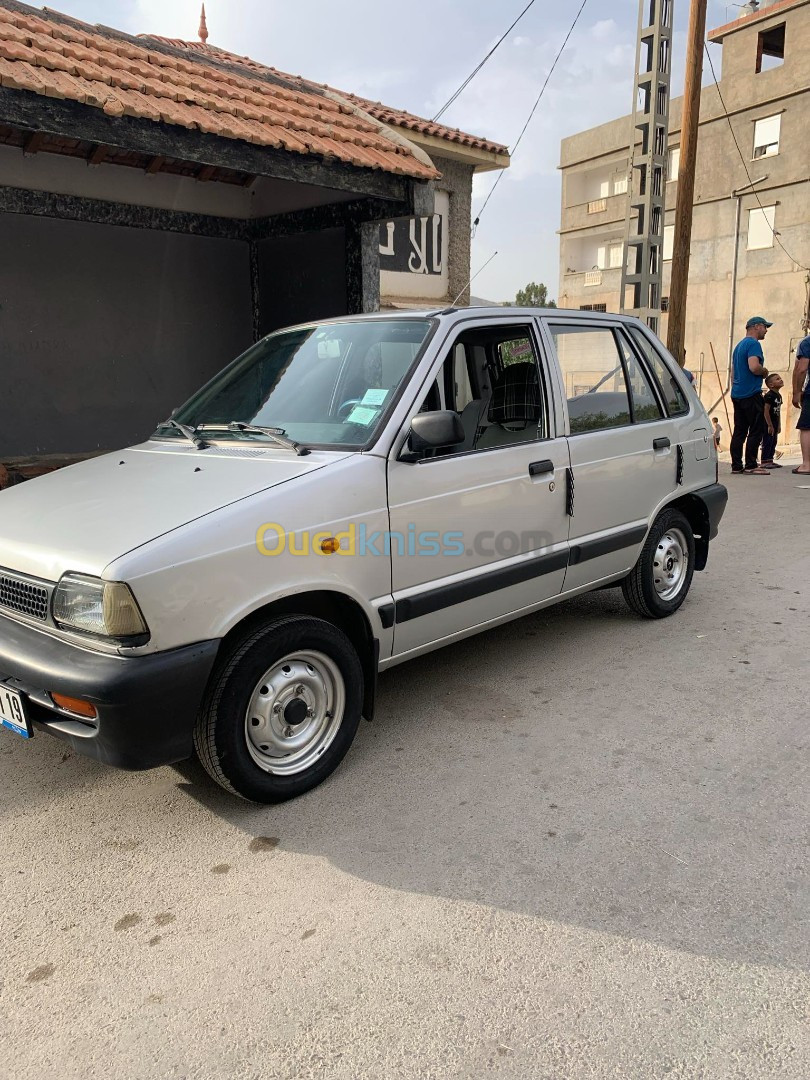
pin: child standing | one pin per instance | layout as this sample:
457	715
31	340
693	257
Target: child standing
718	431
773	422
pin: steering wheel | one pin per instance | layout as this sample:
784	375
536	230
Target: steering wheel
346	405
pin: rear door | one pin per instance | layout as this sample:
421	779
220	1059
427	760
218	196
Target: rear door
623	461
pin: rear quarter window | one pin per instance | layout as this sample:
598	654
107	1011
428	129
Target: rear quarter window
674	397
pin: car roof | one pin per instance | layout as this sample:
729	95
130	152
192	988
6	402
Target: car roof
457	314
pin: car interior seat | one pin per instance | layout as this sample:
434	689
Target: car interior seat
515	406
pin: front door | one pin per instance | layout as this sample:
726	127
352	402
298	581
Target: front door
623	460
479	530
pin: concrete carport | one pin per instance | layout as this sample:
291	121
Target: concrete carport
159	211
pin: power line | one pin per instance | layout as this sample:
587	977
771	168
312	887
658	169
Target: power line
776	235
534	110
475	71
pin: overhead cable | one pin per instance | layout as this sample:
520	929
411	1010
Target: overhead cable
475	71
751	182
513	150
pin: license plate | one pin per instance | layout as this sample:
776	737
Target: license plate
12	712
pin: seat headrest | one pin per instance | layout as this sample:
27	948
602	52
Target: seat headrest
516	396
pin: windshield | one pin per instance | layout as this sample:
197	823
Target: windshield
327	385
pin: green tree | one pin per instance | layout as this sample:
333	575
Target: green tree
534	295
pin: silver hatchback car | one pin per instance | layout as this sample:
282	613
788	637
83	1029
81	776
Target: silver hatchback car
345	496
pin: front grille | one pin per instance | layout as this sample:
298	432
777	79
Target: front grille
25	597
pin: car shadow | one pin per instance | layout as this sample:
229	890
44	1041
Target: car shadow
564	766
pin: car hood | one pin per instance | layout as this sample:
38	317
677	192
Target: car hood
83	517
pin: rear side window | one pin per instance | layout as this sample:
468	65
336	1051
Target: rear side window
593	374
671	392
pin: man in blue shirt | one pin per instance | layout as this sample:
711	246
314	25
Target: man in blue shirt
746	394
801	400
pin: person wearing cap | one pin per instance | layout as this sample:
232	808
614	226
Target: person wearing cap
748	370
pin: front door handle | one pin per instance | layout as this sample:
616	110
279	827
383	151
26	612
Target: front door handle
661	444
537	468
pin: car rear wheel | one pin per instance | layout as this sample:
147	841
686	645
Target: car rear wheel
658	583
282	710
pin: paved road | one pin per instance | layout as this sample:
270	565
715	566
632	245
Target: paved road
570	848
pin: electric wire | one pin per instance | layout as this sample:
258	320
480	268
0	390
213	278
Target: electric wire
475	71
512	152
776	235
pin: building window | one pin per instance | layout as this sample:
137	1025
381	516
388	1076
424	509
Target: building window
669	241
593	307
766	136
620	185
665	303
760	227
674	163
609	256
771	48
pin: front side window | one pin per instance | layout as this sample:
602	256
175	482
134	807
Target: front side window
593	375
328	385
490	377
667	383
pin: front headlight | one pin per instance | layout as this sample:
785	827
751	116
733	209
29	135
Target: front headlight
106	608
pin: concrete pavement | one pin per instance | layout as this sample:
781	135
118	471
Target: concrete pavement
574	847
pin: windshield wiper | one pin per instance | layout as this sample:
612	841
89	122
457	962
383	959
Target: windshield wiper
276	434
184	429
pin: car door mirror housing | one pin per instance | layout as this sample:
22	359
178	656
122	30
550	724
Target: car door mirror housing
434	429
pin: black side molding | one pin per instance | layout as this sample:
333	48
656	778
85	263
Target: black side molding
592	549
447	595
386	613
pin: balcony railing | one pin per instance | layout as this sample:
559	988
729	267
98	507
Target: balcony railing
597	206
593	277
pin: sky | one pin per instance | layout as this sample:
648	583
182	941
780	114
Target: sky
413	55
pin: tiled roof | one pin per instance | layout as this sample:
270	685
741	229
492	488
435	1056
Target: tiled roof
59	57
395	117
400	118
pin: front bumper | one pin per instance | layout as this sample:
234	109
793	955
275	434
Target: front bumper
147	705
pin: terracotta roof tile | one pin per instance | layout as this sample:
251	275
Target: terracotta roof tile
387	115
57	57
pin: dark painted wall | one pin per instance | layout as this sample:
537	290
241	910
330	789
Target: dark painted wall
105	329
302	277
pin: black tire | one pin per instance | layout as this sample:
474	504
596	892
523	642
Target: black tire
227	740
639	587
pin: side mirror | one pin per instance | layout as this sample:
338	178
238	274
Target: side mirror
434	429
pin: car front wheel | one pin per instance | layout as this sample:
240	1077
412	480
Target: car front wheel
658	583
282	710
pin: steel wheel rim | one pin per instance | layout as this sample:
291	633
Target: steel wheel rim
670	564
295	712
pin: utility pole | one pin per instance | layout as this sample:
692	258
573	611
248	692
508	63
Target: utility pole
696	35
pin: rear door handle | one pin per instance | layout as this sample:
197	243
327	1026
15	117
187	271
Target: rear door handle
537	468
662	443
